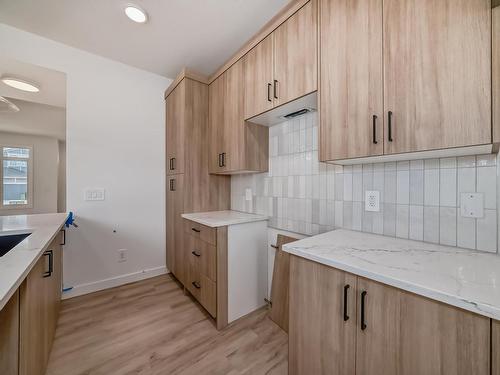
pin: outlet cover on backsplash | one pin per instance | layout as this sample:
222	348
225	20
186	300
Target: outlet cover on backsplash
472	205
419	199
372	200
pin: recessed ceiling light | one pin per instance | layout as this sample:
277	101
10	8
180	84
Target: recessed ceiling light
7	105
20	84
136	14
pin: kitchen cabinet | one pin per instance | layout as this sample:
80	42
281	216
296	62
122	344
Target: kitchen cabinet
389	330
190	187
283	66
322	336
434	77
40	296
351	71
9	337
496	72
495	349
236	146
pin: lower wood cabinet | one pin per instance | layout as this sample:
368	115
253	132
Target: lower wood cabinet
40	296
9	337
495	347
344	324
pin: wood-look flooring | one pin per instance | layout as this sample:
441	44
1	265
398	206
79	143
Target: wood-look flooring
152	327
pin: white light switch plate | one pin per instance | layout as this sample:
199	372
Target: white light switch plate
94	195
372	200
472	205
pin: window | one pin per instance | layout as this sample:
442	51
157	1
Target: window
16	182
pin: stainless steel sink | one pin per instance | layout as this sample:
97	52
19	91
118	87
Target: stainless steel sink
8	242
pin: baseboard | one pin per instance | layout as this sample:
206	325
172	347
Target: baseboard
79	290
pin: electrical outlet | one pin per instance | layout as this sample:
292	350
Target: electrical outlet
122	255
472	205
372	200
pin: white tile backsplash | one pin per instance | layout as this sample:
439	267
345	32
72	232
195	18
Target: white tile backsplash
419	198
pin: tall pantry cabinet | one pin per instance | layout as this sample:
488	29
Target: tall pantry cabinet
190	188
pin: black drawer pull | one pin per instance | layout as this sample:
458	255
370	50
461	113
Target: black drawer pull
64	237
375	129
223	159
389	126
275	247
50	254
275	89
172	184
196	285
363	301
195	253
269	86
220	160
195	230
346	290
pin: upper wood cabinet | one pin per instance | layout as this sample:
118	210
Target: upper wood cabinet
387	330
175	108
437	74
351	100
431	90
235	146
284	65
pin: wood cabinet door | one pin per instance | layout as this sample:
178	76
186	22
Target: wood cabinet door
321	341
296	55
438	339
216	123
377	329
258	68
495	347
175	107
437	73
34	316
9	336
54	289
351	100
234	123
176	260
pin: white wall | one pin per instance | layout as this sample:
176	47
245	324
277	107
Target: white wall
116	141
45	171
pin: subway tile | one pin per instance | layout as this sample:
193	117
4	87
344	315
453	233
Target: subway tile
431	163
466	232
448	187
330	213
389	219
487	184
378	221
347	169
347	215
402	221
466	181
378	167
487	160
403	187
378	183
466	161
390	187
357	187
448	163
367	218
487	231
347	186
431	224
330	186
357	215
448	226
416	187
367	168
323	186
339	186
390	167
403	165
367	183
431	187
416	164
339	214
416	228
357	168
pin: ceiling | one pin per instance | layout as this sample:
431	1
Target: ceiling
52	83
198	34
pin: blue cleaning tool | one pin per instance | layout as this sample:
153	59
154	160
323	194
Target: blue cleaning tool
71	220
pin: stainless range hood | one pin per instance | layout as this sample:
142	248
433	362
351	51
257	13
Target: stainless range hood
285	112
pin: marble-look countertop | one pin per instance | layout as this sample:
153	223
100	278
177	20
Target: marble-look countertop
18	262
463	278
216	219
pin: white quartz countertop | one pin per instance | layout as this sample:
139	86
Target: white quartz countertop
18	262
216	219
463	278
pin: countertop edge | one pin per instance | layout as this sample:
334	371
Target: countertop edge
474	307
18	282
222	222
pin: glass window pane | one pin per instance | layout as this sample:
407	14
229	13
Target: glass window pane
16	152
15	182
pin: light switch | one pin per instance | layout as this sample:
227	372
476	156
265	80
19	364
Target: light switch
94	195
372	200
248	194
472	205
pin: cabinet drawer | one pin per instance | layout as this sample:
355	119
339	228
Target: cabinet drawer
202	288
203	253
200	231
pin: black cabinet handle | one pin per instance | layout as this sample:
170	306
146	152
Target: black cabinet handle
195	230
223	159
172	184
50	254
346	290
269	99
196	285
275	89
64	237
375	129
220	160
363	300
195	253
275	247
172	164
389	126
